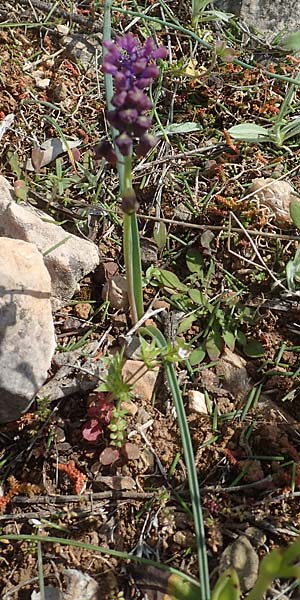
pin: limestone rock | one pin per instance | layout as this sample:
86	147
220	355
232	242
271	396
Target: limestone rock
231	368
242	557
27	340
266	16
82	49
67	263
115	290
197	402
144	385
50	593
276	197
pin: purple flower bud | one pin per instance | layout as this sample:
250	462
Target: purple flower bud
105	150
141	125
120	80
128	42
151	71
124	143
143	83
129	202
109	45
128	115
119	99
114	119
160	52
147	142
109	68
139	66
137	98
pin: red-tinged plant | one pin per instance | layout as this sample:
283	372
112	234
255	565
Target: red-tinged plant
111	454
100	412
78	478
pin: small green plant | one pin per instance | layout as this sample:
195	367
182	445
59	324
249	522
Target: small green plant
279	564
281	129
293	272
223	316
200	14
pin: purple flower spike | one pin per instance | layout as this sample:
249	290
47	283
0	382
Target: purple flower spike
133	68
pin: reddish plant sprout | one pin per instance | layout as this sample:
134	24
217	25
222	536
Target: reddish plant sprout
78	478
111	454
100	412
16	488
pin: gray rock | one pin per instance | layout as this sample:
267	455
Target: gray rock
27	340
82	49
149	252
71	258
75	374
182	213
242	557
50	593
80	585
266	16
231	368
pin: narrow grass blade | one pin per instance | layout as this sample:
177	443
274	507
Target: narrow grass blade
191	467
40	570
136	266
98	550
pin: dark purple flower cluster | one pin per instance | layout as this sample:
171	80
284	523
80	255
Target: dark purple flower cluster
132	66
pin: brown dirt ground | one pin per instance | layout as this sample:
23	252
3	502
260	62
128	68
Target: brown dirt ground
149	509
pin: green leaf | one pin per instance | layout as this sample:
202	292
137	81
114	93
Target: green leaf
180	589
160	235
21	189
292	41
196	296
249	132
167	586
182	128
170	281
254	349
229	339
194	261
187	323
197	356
198	7
291	129
214	345
227	586
192	474
295	213
14	164
241	338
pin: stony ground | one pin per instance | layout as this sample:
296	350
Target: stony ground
246	437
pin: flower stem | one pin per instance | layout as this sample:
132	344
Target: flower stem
131	248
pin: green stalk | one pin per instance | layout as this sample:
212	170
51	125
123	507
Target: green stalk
190	465
131	249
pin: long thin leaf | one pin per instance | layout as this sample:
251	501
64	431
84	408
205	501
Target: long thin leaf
98	550
190	464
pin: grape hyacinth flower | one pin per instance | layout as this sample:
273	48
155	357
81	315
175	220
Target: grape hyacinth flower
132	66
